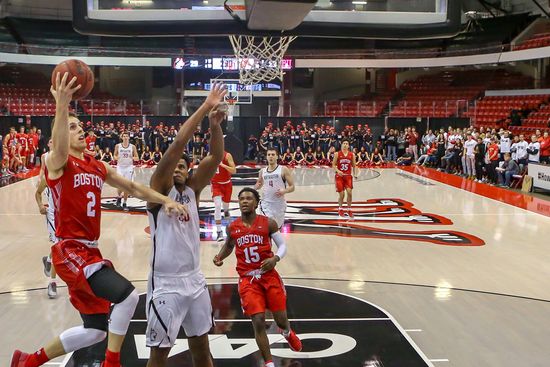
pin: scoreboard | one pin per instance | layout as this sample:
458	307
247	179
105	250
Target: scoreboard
224	63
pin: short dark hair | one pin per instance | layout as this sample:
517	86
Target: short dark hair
343	140
250	189
272	149
187	160
125	133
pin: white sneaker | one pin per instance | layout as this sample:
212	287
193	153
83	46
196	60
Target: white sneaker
52	290
47	266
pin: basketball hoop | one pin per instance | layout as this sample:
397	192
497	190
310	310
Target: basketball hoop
260	57
231	100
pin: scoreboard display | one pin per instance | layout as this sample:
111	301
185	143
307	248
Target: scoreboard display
224	63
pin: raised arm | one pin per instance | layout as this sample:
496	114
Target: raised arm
162	180
62	93
208	166
231	167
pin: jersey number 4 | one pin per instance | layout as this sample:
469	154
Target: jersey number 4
251	254
91	204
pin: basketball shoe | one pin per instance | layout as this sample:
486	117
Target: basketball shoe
293	341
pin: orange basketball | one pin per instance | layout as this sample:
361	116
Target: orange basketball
84	76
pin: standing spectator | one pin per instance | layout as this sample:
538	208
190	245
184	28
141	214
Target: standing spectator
507	171
480	159
251	148
367	140
469	157
391	146
147	131
545	148
198	149
382	142
493	157
505	144
533	149
263	144
401	143
413	142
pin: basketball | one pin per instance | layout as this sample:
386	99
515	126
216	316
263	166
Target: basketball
84	76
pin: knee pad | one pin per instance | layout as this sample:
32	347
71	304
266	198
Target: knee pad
80	337
122	314
217	207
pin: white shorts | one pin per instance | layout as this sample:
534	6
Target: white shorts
274	210
174	303
50	224
126	172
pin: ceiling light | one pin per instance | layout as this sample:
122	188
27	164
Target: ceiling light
359	2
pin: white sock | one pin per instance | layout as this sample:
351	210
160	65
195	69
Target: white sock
269	364
286	333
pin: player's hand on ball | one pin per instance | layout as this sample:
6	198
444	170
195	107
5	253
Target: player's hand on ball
218	261
268	264
63	90
176	209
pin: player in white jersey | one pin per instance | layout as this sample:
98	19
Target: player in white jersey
125	156
177	294
49	212
277	181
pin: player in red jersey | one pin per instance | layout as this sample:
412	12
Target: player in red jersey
345	166
76	180
22	139
90	143
260	286
222	189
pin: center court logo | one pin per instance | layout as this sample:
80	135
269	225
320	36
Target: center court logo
336	330
321	218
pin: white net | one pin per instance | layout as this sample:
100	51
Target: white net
260	57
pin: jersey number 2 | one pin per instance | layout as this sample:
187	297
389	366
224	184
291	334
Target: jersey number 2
251	255
91	204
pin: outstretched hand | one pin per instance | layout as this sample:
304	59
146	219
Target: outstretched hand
63	91
217	92
217	114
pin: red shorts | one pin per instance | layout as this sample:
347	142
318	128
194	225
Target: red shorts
223	190
267	292
344	182
72	260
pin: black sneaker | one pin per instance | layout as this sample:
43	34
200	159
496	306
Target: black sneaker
226	213
118	201
47	266
124	207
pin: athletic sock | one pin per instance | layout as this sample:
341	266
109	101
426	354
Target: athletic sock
286	333
37	359
269	364
112	359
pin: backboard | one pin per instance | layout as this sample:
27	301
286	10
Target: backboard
380	19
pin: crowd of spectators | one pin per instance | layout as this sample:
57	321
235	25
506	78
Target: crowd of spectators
483	155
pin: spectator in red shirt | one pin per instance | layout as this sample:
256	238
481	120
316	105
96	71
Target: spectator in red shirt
493	155
545	148
412	138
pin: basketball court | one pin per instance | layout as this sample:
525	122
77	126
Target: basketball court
434	270
428	274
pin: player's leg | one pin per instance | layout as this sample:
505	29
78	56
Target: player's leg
349	201
196	324
218	216
228	190
118	191
260	334
91	332
253	303
110	285
165	313
276	302
158	357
